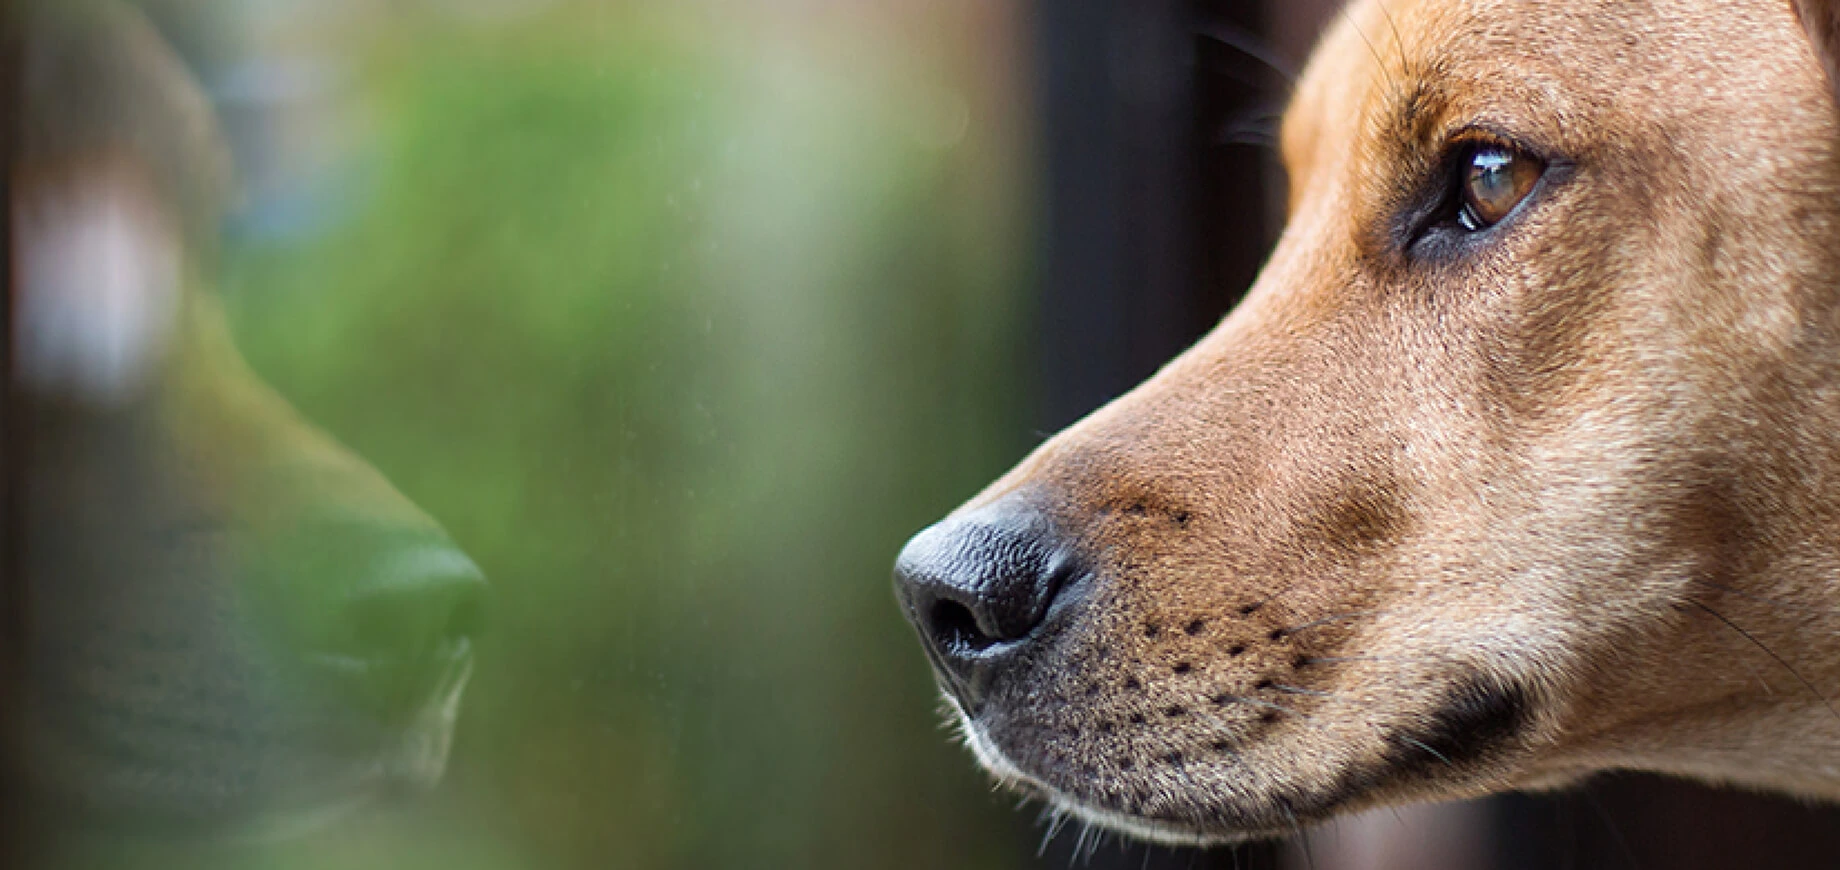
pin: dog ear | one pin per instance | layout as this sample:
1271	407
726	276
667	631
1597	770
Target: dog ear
1821	18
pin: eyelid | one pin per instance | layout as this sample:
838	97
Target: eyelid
1480	133
1441	194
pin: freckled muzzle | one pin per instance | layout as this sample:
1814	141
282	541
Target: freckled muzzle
1109	667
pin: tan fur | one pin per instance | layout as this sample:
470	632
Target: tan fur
1592	465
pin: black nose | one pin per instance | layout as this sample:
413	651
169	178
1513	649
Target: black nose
978	586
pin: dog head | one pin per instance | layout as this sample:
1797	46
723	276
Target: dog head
232	625
1517	462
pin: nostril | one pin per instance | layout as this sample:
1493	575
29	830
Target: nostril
957	629
980	587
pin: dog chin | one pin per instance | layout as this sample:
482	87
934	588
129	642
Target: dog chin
1008	775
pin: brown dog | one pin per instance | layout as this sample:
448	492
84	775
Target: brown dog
1520	461
232	625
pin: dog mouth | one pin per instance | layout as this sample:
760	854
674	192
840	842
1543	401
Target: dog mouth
1067	802
1160	785
1201	719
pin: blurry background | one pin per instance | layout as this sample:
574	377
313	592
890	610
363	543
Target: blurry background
679	316
682	316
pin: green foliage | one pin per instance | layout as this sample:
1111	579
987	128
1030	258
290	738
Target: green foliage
680	337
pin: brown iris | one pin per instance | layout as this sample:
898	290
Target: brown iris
1495	180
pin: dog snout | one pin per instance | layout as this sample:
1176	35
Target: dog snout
978	587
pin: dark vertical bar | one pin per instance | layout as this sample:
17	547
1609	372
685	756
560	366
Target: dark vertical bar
12	584
1242	87
1116	246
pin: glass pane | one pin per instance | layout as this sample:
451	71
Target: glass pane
555	377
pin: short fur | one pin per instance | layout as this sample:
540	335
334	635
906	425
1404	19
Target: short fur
1422	521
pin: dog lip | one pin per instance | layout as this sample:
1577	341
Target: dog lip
1011	775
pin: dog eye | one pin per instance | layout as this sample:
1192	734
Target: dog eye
1495	180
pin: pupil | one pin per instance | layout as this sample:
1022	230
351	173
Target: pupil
1489	170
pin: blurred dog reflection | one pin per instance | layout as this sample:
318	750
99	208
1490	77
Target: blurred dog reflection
232	623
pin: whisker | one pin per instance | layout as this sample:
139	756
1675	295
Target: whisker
1098	840
1399	45
1299	690
1329	660
1378	60
1420	744
1749	596
1297	830
1224	699
1616	831
1768	691
1429	657
1329	619
1249	45
1262	134
1056	819
1772	654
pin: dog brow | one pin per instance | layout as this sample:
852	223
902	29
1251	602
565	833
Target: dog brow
1418	111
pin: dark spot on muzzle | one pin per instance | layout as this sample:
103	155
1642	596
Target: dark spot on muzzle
1475	720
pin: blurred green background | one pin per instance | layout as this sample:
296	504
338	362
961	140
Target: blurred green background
680	317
